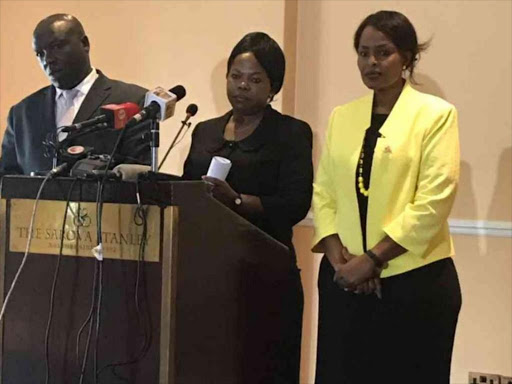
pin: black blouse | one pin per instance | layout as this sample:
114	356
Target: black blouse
369	143
273	163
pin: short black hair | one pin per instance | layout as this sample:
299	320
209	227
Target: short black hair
268	53
399	30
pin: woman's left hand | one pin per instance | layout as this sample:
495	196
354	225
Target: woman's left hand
355	272
221	190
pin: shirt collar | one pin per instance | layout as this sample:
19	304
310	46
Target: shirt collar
83	87
255	140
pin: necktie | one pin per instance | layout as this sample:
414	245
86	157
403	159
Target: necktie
65	110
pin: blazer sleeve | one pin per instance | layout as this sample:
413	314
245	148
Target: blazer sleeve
436	187
295	185
324	195
9	159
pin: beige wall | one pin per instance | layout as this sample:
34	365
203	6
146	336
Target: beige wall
469	64
187	42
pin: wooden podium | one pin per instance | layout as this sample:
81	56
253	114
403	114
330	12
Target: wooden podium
209	302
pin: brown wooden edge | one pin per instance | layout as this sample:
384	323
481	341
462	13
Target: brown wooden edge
169	283
3	253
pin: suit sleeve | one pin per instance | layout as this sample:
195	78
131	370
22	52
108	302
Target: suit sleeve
324	196
9	159
295	186
436	186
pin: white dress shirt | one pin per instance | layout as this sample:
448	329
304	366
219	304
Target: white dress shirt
68	101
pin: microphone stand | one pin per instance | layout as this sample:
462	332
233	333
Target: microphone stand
184	124
154	144
55	160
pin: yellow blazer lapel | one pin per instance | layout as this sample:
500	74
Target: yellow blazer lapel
393	150
346	148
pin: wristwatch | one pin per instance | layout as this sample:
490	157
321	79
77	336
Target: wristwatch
238	200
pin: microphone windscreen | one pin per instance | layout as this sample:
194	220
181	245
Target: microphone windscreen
192	109
130	172
131	109
179	91
119	114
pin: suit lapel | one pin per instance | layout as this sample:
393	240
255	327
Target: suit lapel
48	110
394	132
99	91
349	127
394	124
46	124
359	122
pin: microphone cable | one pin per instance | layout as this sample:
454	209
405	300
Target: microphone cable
29	241
99	212
144	322
96	295
97	291
54	284
83	364
99	263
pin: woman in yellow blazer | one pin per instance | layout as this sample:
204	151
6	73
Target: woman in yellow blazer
389	292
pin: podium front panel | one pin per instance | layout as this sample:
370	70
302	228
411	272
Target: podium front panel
211	305
127	330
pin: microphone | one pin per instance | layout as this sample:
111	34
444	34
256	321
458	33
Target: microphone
84	124
119	114
57	170
114	115
190	112
159	104
130	172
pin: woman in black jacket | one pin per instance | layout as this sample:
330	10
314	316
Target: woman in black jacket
270	181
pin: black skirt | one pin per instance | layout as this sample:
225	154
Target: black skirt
405	337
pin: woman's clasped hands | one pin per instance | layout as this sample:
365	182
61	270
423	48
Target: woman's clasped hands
358	274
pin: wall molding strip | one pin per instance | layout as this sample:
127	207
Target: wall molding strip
460	227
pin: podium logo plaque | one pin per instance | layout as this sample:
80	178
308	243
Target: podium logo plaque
122	229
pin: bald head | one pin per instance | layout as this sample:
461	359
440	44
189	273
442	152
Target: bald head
62	48
63	21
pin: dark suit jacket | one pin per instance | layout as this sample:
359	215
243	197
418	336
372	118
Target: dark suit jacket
31	120
273	163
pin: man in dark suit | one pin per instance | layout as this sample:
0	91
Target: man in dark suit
76	94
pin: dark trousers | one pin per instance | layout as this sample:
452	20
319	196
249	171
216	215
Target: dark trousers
407	337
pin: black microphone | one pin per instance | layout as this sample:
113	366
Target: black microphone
57	170
159	104
79	133
190	111
84	124
115	115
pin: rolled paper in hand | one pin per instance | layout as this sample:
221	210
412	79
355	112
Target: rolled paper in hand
219	168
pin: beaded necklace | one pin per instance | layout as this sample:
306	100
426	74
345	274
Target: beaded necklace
360	179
